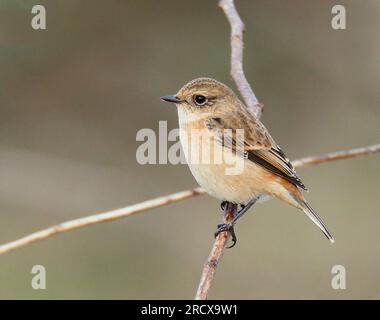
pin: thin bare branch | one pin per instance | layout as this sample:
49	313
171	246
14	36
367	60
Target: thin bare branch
237	73
337	155
99	218
209	269
162	201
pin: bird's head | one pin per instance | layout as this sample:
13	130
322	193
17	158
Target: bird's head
202	95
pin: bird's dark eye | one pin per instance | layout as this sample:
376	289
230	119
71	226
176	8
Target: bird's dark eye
200	100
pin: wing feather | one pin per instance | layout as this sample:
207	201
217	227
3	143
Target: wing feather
259	146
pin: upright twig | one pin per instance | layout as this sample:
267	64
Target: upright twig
250	99
216	253
237	72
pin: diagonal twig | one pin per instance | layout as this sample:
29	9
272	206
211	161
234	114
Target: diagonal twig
332	156
161	201
99	218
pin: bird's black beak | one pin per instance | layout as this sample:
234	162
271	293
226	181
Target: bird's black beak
173	99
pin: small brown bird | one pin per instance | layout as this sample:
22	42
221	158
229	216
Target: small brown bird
209	108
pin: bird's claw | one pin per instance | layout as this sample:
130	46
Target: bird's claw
227	227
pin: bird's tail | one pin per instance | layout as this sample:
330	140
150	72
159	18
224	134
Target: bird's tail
316	219
294	197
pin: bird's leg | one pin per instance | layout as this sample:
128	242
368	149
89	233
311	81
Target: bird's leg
230	226
244	209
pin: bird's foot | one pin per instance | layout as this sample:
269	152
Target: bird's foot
223	205
227	227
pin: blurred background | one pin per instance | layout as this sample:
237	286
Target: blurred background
73	97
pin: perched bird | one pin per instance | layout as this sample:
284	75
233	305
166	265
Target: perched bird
209	108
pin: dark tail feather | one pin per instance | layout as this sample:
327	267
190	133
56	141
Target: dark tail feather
317	220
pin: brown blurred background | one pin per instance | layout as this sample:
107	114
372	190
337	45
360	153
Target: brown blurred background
72	98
